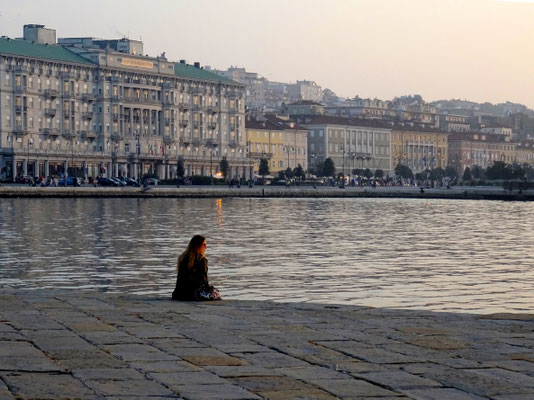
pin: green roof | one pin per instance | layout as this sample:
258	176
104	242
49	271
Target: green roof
25	48
190	71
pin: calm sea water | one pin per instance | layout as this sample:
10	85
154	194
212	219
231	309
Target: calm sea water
469	256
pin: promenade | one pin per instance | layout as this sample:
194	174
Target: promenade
457	192
89	345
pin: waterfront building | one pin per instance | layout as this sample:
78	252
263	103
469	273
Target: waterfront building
467	149
419	148
350	142
89	108
525	153
282	143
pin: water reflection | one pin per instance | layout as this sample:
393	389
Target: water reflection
440	255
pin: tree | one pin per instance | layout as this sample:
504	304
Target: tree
329	168
180	170
467	175
499	170
478	172
264	169
224	166
289	173
281	174
299	172
357	171
379	174
403	171
437	173
451	172
367	173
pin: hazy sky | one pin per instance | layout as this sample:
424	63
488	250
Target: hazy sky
481	50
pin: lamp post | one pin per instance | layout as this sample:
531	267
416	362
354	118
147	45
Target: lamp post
211	144
138	151
343	168
71	158
30	142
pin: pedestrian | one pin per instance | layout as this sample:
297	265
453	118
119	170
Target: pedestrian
192	275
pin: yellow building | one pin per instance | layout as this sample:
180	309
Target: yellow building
280	142
418	148
264	140
525	154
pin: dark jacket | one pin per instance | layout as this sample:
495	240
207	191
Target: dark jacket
190	280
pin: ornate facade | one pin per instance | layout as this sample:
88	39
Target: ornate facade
83	109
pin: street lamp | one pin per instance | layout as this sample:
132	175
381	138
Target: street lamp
343	169
138	151
211	144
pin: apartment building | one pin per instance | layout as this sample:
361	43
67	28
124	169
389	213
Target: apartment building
419	148
350	142
89	108
467	149
283	143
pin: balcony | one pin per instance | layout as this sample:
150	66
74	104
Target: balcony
233	143
212	125
212	110
88	97
184	122
195	141
114	116
67	134
260	155
19	109
19	130
67	113
231	128
231	93
183	106
21	68
167	139
68	93
116	137
51	93
20	88
88	134
167	121
50	112
87	115
52	132
67	75
198	90
196	124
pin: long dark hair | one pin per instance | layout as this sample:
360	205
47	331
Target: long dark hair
192	251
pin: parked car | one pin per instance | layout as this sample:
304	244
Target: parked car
106	182
118	182
70	181
130	182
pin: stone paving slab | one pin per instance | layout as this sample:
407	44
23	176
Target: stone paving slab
89	345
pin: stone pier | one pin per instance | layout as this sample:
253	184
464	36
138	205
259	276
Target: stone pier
89	345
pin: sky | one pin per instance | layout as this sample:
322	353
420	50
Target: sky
479	50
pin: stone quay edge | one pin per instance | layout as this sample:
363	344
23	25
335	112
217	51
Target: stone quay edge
461	193
59	344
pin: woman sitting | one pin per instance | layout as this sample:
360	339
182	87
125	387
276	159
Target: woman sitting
192	280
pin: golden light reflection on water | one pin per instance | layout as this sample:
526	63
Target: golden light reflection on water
472	256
